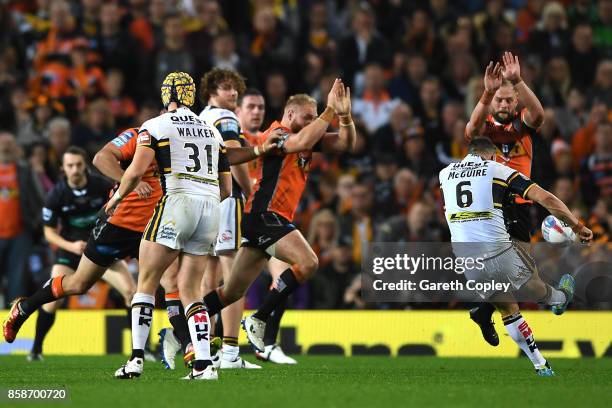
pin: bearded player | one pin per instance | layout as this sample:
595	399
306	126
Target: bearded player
496	117
251	111
267	226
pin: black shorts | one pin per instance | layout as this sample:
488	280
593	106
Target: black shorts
518	221
67	259
108	243
262	230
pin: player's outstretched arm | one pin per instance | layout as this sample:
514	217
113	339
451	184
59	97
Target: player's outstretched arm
534	114
492	82
142	160
557	208
239	155
345	139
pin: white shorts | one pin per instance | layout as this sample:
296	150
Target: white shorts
514	265
230	234
185	222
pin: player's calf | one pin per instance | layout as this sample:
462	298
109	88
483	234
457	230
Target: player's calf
521	333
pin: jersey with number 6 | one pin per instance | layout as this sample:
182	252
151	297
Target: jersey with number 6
190	153
474	190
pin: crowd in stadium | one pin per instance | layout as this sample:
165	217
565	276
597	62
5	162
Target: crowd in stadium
80	72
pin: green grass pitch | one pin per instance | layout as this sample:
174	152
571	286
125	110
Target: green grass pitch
320	382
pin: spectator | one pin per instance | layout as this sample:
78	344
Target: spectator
487	22
317	34
322	234
59	140
573	115
96	128
37	155
157	14
328	285
224	56
430	106
119	49
602	25
418	226
173	56
551	36
122	107
566	190
418	159
201	31
558	82
373	108
358	224
583	56
276	96
384	170
407	189
272	45
359	160
420	38
583	141
601	91
596	170
410	72
364	45
390	137
33	128
21	207
88	81
452	113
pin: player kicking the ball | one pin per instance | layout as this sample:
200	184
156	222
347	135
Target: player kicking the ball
267	227
474	191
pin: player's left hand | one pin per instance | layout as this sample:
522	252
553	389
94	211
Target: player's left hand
512	68
270	145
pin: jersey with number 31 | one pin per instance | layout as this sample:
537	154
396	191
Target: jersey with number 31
190	153
474	190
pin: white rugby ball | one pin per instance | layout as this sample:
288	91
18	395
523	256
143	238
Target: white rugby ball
556	231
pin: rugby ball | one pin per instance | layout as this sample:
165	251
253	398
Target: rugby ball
556	231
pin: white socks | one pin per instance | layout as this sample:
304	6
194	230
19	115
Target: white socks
522	335
199	329
142	315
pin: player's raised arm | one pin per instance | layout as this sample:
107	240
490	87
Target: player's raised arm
344	140
310	134
492	82
534	113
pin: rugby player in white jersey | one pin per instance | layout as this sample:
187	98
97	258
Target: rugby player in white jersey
219	90
474	191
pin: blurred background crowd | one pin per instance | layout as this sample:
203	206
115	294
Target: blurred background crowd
79	72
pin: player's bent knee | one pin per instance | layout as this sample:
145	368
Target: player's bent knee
309	266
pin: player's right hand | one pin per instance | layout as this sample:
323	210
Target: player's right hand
493	77
143	189
77	247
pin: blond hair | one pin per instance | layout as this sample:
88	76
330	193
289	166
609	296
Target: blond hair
300	100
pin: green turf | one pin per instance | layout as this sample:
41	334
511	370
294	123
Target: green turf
322	382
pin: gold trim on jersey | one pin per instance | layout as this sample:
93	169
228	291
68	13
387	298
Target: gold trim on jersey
500	182
470	215
527	189
197	179
162	144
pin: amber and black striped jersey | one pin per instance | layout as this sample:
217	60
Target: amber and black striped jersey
281	181
226	122
190	153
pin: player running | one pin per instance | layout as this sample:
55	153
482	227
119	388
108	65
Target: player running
195	174
474	189
266	226
513	132
73	203
251	111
